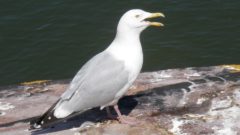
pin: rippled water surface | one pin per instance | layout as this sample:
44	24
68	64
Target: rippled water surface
51	39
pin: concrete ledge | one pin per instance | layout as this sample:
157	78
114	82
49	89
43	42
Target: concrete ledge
176	101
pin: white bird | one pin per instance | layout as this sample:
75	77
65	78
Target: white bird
106	77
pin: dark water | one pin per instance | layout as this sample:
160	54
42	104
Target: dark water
51	39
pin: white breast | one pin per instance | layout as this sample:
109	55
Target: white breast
126	47
131	54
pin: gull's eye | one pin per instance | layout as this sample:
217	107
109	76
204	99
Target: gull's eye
137	16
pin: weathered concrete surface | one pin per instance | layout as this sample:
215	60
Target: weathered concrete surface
189	101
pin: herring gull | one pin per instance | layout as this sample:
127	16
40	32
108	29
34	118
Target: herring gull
106	77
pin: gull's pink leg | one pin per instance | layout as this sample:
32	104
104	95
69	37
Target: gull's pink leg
125	119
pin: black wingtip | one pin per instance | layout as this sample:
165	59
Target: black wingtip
44	121
34	126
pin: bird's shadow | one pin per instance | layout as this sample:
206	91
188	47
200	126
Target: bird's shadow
126	105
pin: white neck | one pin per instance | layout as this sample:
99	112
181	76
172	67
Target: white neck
127	47
125	39
123	44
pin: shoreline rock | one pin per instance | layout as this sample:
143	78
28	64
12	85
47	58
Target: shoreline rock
201	100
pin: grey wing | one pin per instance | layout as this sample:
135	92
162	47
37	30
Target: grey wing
96	84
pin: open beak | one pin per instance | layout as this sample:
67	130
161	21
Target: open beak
155	15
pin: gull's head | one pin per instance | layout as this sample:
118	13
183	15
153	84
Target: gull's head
136	20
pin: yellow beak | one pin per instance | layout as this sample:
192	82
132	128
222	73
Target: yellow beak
155	15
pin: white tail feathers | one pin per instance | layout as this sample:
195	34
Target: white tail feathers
61	113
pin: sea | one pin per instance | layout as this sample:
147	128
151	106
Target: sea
52	39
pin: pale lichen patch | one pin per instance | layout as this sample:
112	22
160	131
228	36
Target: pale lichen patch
201	100
176	126
6	106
